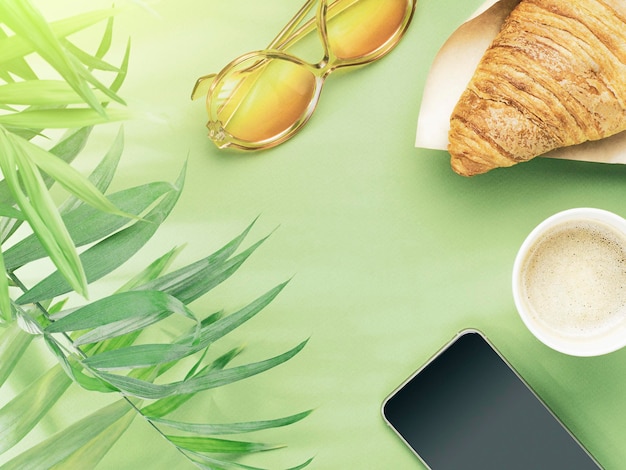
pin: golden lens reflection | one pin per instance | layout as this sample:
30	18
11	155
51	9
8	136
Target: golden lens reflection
364	26
262	98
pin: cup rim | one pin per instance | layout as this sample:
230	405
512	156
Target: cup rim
588	346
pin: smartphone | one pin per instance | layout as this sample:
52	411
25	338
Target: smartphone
468	409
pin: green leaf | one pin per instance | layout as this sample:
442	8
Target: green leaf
302	465
73	371
213	379
97	84
116	240
26	21
120	328
121	76
26	322
63	118
211	330
18	66
40	93
63	444
219	446
91	61
167	405
143	355
218	378
225	325
5	300
69	178
153	354
86	224
111	252
194	370
72	143
118	307
119	342
107	39
47	223
152	271
67	149
202	429
90	454
15	47
13	344
12	212
39	209
22	413
102	175
193	281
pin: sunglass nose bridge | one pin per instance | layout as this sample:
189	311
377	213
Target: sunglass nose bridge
217	133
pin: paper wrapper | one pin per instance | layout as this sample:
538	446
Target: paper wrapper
452	70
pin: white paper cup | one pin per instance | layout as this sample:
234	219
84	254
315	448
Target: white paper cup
569	282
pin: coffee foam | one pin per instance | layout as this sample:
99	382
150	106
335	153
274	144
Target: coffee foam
575	279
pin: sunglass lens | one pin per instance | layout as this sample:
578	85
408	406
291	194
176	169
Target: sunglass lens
358	28
261	98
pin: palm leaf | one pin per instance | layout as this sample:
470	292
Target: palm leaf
16	46
65	443
41	93
17	66
86	224
66	149
11	212
219	446
13	344
167	405
92	61
36	204
109	253
26	21
90	454
198	383
119	314
102	175
112	333
22	413
204	429
195	280
152	271
5	299
63	118
66	176
153	354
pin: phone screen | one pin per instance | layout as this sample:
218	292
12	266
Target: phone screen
468	409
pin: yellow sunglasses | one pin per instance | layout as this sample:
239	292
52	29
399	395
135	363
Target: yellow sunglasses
263	98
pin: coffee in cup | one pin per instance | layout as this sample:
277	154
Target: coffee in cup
569	282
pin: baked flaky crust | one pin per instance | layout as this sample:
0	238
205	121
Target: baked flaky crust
554	76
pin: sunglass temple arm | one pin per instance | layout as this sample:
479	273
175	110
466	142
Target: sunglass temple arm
286	35
292	33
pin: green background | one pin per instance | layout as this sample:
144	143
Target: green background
389	252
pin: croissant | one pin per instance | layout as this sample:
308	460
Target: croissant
554	76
